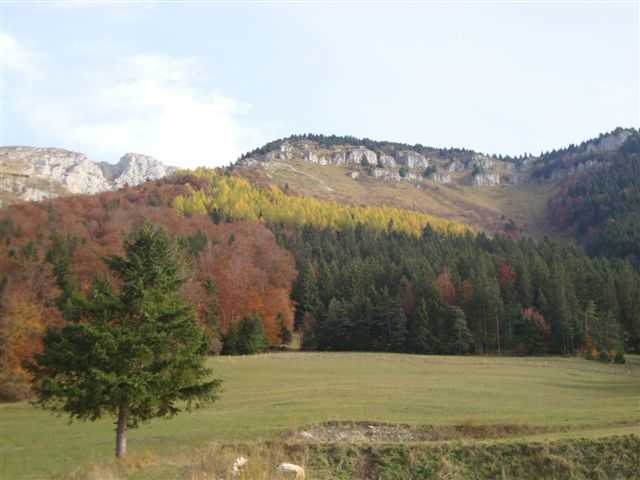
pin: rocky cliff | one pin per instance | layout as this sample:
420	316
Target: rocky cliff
419	164
29	173
388	162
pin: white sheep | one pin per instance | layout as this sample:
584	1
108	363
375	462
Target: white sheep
237	466
291	468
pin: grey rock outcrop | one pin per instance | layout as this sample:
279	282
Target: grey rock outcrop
385	164
485	179
411	159
440	177
134	169
357	155
30	173
387	161
456	166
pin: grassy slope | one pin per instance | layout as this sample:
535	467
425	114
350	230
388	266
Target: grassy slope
268	394
479	207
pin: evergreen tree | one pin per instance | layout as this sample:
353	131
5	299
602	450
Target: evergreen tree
285	333
460	338
336	330
420	339
389	325
251	337
138	353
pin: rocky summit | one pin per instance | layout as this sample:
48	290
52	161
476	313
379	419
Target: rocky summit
417	163
30	173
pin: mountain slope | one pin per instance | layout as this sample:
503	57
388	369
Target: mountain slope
602	206
490	192
29	173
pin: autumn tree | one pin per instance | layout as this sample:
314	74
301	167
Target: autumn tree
135	353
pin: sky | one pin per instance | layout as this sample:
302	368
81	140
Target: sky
198	83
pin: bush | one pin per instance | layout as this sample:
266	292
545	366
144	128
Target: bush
430	170
619	358
14	386
285	334
246	338
604	356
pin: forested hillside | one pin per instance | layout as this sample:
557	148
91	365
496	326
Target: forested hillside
392	280
233	198
49	251
370	278
602	207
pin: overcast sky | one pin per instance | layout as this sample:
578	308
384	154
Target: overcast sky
197	84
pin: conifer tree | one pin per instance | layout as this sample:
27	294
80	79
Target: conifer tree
136	353
459	335
420	339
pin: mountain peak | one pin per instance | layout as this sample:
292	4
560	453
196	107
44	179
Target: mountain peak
35	173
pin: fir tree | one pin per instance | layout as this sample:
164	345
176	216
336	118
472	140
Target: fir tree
138	353
420	339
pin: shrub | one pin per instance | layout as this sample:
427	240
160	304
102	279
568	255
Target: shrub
604	356
14	386
430	170
246	338
619	358
285	333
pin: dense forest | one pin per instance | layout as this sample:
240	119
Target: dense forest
51	251
585	152
377	279
439	293
604	209
263	263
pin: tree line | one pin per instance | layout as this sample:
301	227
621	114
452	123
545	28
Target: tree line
358	289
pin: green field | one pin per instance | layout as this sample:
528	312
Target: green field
268	394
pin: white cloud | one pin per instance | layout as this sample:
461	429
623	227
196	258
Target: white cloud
13	57
152	104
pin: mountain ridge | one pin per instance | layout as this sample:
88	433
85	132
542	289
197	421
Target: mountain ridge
36	173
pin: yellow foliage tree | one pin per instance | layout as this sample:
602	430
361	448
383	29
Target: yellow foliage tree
239	199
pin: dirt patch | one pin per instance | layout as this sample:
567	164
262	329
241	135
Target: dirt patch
377	432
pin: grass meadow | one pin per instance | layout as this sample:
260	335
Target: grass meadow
267	395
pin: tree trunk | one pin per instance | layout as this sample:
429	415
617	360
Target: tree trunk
121	431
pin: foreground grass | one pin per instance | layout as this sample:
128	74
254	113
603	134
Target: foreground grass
269	394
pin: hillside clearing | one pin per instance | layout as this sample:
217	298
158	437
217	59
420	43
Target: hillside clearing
483	208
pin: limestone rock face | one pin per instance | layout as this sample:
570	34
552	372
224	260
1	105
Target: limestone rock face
440	177
411	159
456	166
73	170
485	179
134	169
30	173
609	143
387	160
482	162
357	155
